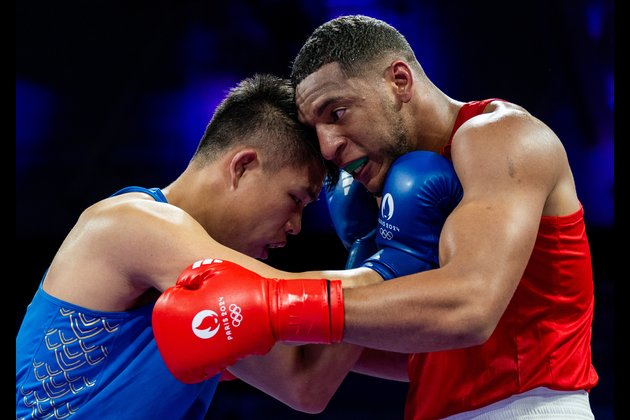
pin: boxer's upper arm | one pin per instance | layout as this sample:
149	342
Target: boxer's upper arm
507	171
158	241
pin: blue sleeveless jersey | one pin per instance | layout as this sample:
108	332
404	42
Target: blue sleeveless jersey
73	362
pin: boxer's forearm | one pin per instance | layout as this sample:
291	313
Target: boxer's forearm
355	277
302	377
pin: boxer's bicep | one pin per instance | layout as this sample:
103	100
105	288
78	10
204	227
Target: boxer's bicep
486	243
506	169
161	241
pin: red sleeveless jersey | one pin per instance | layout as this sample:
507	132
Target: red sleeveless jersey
542	339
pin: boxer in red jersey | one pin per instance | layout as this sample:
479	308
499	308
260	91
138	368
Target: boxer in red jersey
503	326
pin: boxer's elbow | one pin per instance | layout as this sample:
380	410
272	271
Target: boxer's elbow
299	391
476	320
474	327
308	397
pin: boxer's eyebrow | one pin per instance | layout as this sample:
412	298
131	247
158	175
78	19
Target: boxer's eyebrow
322	107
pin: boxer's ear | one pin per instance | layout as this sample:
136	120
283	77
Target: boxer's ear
242	162
401	77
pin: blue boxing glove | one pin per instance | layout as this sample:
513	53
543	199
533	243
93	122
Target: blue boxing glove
420	191
354	213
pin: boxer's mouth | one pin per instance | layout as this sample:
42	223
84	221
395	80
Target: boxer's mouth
355	166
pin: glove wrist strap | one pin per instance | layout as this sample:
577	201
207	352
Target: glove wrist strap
308	311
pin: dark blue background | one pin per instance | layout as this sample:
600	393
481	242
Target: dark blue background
114	93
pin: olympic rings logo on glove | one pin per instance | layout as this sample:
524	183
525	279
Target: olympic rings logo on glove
235	314
386	234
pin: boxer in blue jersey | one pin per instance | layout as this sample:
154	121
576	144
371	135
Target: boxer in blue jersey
77	362
86	348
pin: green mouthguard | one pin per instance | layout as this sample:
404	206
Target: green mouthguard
350	167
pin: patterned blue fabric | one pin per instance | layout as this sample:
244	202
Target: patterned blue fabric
73	362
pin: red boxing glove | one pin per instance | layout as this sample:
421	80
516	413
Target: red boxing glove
219	312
